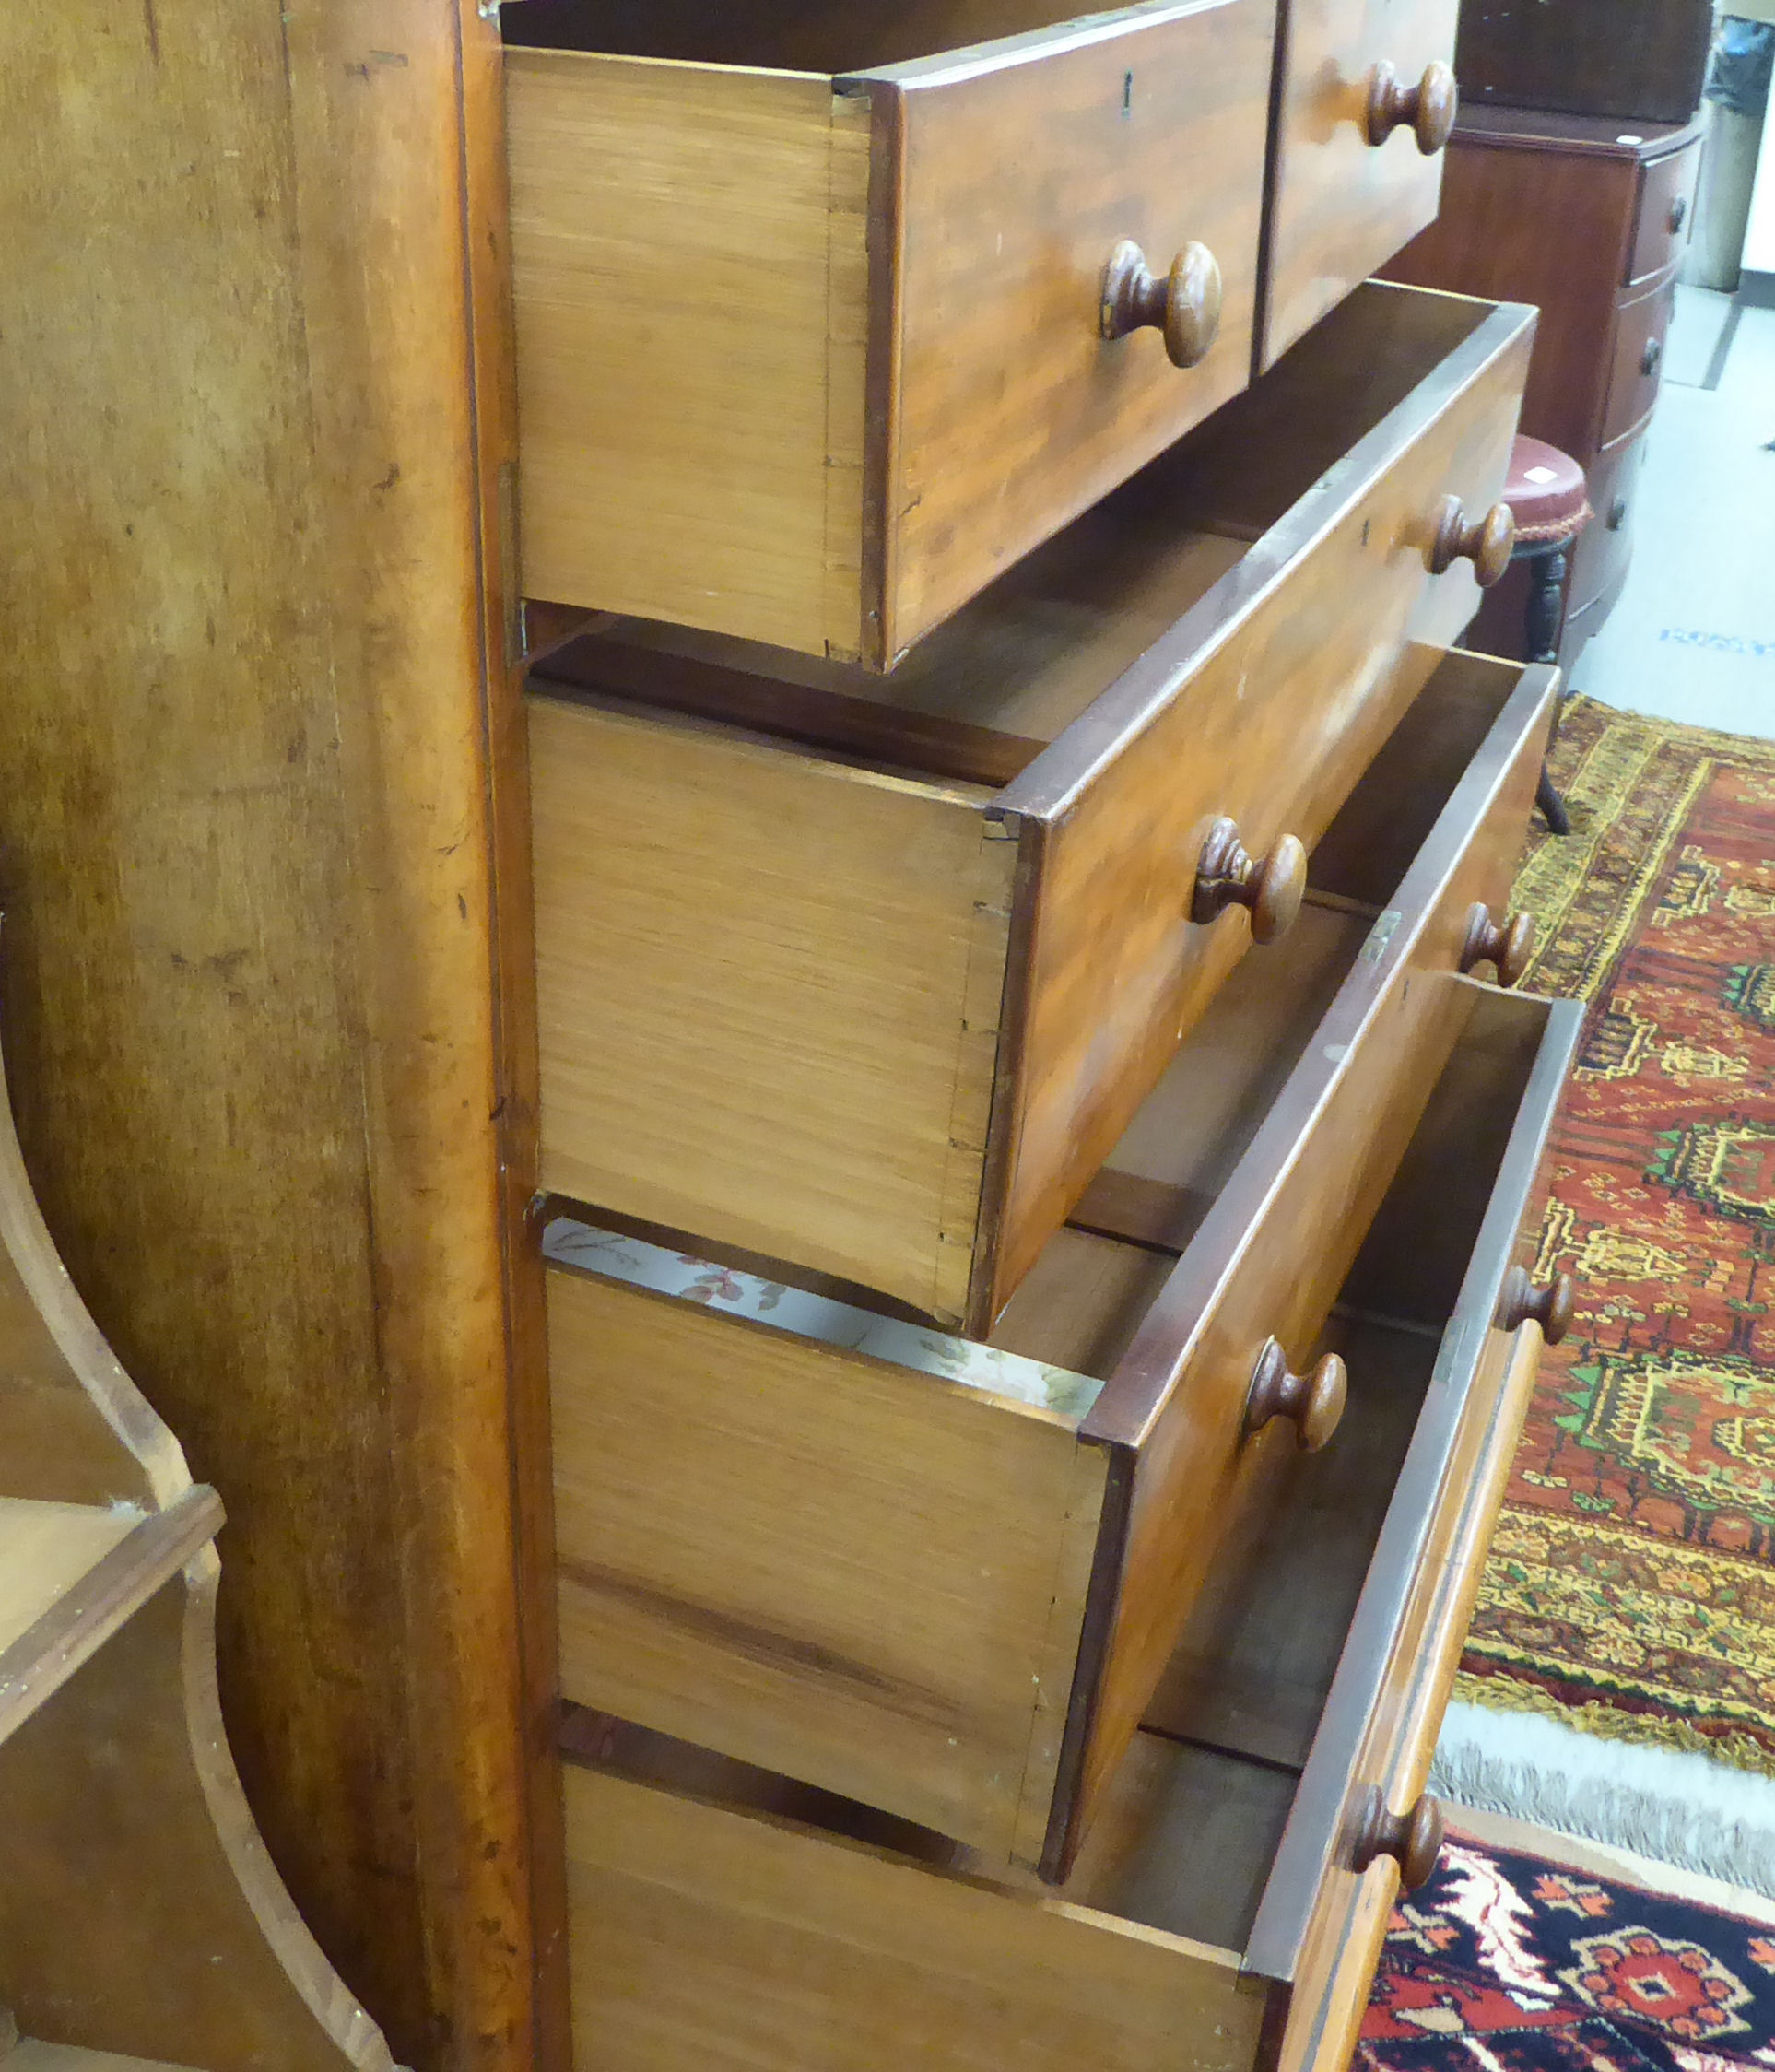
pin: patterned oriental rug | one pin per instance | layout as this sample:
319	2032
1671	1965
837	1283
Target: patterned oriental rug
1620	1678
1505	1964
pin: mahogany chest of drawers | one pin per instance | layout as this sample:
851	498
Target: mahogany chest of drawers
750	896
1585	215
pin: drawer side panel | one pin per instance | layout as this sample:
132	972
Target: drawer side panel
684	243
825	1565
701	1937
768	993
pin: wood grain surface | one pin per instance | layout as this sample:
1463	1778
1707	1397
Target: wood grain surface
769	987
74	1573
249	976
847	1570
1294	667
1635	361
126	1829
1011	184
687	254
1626	65
45	1548
1547	209
1666	209
704	1936
1599	564
126	1833
796	35
1273	1254
1340	206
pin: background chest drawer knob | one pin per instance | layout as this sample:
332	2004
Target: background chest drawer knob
1226	876
1485	542
1550	1307
1184	304
1507	944
1429	106
1413	1840
1678	214
1653	353
1314	1401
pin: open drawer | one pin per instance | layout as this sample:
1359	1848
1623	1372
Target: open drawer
826	315
870	973
944	1577
1228	1907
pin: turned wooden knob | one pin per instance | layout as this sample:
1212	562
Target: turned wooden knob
1413	1840
1507	944
1429	106
1315	1402
1272	891
1550	1307
1184	304
1485	542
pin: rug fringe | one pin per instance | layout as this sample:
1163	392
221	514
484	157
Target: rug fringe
1676	1809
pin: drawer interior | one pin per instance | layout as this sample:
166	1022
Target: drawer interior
1200	1809
1195	538
790	35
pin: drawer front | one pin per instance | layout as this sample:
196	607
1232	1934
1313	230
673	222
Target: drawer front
1341	206
1274	1252
1010	183
1666	212
1316	1926
1297	697
1606	546
1636	363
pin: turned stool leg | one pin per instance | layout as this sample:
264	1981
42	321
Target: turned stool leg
1546	599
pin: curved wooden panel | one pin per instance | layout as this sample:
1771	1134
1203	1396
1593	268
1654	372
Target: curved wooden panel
140	1913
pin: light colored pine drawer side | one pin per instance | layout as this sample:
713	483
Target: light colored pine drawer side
767	996
702	1939
867	1577
688	278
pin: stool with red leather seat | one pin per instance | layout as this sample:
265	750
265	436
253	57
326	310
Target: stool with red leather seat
1547	496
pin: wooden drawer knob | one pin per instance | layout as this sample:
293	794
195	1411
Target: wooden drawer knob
1506	945
1429	106
1272	891
1550	1307
1314	1401
1184	305
1413	1840
1485	542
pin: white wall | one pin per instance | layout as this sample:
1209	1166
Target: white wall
1760	233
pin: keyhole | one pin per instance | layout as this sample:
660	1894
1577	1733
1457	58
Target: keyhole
1366	523
1127	93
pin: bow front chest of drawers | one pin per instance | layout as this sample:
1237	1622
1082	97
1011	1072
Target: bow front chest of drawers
789	681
